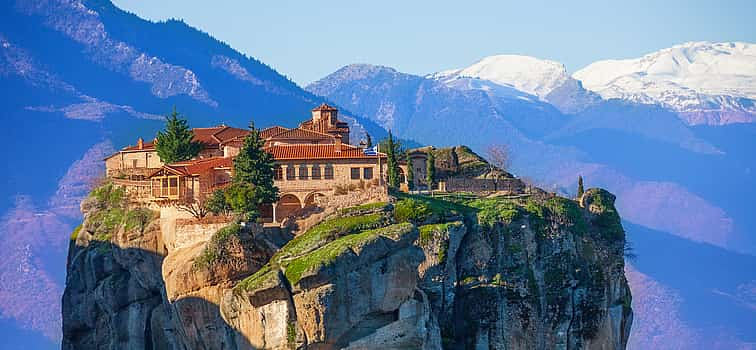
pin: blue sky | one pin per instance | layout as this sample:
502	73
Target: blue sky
307	40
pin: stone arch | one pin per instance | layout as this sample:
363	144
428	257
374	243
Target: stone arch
401	176
310	199
287	205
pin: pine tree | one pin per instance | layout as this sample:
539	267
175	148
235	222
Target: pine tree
175	144
430	170
580	189
253	175
391	162
410	174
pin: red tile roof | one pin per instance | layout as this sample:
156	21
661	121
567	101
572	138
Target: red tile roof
302	134
199	166
272	131
317	151
324	107
147	146
217	134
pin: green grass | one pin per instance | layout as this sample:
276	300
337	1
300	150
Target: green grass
411	210
260	278
492	211
327	254
569	211
430	233
329	230
363	208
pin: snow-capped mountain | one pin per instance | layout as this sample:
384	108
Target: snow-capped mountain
706	83
545	79
528	74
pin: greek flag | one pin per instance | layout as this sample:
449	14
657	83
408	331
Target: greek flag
372	151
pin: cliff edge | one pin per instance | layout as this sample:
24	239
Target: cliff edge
414	272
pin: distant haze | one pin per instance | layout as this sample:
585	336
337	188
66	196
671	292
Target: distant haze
307	40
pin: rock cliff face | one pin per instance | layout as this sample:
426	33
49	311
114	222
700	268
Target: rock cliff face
536	272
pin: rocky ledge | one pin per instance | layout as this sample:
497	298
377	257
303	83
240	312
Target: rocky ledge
416	272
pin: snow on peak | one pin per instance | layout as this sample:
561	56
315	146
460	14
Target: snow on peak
686	77
528	74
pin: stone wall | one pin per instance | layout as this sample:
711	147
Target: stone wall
510	185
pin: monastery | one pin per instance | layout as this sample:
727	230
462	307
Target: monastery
312	160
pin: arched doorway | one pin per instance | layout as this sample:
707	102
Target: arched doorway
288	204
310	199
402	178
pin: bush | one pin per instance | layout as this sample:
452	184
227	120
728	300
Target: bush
138	219
216	247
217	203
411	210
243	200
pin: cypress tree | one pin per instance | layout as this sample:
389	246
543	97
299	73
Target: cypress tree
410	174
253	176
580	189
430	169
175	143
391	162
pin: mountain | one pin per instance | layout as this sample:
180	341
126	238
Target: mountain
80	79
705	83
545	79
686	186
419	272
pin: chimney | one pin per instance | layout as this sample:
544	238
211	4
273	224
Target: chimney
140	143
337	144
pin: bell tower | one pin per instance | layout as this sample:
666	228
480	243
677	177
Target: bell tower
325	115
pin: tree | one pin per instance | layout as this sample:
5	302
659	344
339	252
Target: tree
217	203
580	189
368	141
498	157
175	143
243	198
498	161
253	177
196	207
410	174
430	169
391	162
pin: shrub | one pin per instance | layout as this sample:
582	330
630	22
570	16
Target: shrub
217	203
138	219
411	210
215	248
243	200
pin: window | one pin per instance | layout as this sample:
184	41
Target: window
315	172
328	172
134	163
290	173
303	172
367	173
173	186
355	174
277	172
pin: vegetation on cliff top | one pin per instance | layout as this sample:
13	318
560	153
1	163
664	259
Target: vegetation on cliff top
111	212
216	248
327	254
